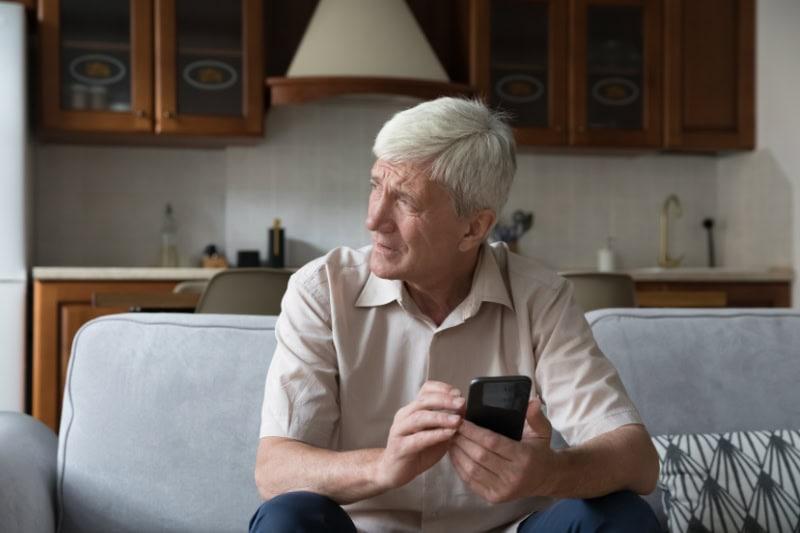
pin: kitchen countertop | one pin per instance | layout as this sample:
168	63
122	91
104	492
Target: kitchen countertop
122	273
706	274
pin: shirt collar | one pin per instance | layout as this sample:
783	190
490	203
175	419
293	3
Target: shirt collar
488	285
378	291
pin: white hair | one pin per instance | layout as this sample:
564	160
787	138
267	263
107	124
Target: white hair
461	144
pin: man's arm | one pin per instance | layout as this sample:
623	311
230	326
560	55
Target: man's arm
284	465
622	459
419	437
500	469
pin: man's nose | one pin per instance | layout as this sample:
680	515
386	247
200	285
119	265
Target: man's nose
379	216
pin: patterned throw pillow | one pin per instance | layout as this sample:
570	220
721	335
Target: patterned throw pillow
746	481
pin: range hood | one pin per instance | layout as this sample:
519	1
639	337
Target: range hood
363	46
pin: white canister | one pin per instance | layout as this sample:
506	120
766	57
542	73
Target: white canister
606	260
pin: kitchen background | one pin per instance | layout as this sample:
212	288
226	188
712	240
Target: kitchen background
102	206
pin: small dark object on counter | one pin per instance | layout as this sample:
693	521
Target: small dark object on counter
248	258
212	258
708	224
276	250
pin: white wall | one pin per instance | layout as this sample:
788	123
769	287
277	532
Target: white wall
779	112
102	205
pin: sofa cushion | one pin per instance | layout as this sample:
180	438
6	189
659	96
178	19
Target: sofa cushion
160	423
705	370
737	481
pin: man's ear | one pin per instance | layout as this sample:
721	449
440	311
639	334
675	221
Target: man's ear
479	225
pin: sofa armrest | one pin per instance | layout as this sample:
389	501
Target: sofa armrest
28	452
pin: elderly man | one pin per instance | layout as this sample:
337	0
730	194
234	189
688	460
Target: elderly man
363	416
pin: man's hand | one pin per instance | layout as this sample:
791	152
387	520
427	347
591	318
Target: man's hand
500	469
420	434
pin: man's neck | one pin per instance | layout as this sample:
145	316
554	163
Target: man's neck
437	299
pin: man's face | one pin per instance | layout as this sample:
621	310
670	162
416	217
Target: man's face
414	225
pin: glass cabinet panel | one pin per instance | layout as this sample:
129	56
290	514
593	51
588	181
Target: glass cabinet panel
615	67
209	58
519	60
95	55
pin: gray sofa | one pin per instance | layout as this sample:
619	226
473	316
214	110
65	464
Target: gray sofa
161	411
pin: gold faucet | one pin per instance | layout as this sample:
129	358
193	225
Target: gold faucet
664	260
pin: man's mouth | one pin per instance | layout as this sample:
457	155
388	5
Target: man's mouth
384	247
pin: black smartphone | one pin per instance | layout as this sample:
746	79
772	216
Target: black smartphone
499	404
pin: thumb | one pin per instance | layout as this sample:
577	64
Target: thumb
538	426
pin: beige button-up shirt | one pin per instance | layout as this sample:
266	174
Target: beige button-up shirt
354	348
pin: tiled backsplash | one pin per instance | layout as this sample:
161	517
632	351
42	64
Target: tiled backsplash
102	205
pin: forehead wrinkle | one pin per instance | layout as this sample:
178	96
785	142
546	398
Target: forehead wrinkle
396	177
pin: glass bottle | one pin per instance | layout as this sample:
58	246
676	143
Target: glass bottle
169	235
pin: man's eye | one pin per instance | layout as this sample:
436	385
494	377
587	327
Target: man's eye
407	203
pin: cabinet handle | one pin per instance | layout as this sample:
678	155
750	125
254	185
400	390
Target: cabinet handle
169	115
141	113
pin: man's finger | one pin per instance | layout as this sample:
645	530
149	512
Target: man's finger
483	456
421	440
422	420
437	401
537	425
477	478
459	464
499	444
437	386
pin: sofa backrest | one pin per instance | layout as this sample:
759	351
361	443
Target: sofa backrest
702	371
160	423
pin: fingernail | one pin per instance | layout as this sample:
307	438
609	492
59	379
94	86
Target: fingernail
455	392
453	418
458	402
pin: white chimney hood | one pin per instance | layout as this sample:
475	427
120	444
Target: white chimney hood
363	46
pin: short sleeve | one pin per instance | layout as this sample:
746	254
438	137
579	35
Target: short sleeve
301	397
582	391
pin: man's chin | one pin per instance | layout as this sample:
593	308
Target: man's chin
383	268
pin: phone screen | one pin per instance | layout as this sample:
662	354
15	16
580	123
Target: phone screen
505	395
499	404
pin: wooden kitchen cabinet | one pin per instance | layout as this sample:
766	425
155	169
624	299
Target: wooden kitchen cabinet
96	65
584	73
151	67
60	308
710	74
713	294
671	74
519	64
615	73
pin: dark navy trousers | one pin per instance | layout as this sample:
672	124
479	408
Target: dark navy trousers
620	512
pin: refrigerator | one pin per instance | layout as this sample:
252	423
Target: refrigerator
14	207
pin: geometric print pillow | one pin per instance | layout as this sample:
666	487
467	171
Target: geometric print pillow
744	481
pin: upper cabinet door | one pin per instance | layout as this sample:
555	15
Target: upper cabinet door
209	76
616	96
519	65
96	62
710	69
